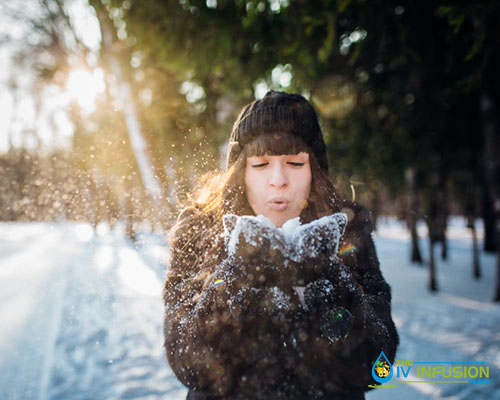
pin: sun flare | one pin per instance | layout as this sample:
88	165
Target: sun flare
84	86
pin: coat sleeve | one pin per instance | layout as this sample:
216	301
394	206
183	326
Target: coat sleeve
215	330
374	331
344	366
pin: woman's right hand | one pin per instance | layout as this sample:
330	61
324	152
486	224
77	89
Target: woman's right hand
252	239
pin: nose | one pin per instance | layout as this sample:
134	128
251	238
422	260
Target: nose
279	177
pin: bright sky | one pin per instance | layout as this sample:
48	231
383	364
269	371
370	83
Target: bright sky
18	115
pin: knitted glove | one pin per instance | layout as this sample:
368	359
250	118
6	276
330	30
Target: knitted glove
327	298
249	303
318	241
247	298
314	247
256	247
292	255
253	239
320	295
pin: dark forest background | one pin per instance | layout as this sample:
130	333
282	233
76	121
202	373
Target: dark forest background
408	95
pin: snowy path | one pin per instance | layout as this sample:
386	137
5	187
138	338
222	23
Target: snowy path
31	306
82	315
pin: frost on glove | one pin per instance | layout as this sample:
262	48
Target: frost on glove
292	255
317	241
256	248
322	297
335	300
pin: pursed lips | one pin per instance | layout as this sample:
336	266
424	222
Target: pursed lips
278	203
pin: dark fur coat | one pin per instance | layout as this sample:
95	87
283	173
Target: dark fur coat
243	332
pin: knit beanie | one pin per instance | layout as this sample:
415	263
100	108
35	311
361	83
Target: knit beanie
278	112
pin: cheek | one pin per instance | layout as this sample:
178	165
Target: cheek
306	184
250	186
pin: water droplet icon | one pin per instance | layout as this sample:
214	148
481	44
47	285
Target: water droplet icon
382	369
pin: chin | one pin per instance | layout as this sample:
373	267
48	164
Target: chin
278	222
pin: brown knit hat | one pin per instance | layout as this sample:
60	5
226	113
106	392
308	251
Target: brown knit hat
278	112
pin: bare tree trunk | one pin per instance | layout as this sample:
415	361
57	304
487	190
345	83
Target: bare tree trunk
433	286
491	134
496	296
416	255
476	267
139	144
444	247
12	85
441	213
412	215
434	220
442	234
488	215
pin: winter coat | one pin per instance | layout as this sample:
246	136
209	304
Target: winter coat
247	332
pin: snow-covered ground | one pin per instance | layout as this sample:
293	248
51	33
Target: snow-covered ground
459	324
82	313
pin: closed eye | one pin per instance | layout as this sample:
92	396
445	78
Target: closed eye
259	165
296	164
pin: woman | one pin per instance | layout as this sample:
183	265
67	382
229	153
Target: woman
258	312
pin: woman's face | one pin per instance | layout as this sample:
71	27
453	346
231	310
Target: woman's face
278	186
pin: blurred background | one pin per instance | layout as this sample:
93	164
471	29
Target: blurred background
110	110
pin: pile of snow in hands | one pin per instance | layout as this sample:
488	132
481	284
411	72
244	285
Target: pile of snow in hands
293	240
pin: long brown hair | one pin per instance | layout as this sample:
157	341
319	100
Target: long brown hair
222	193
